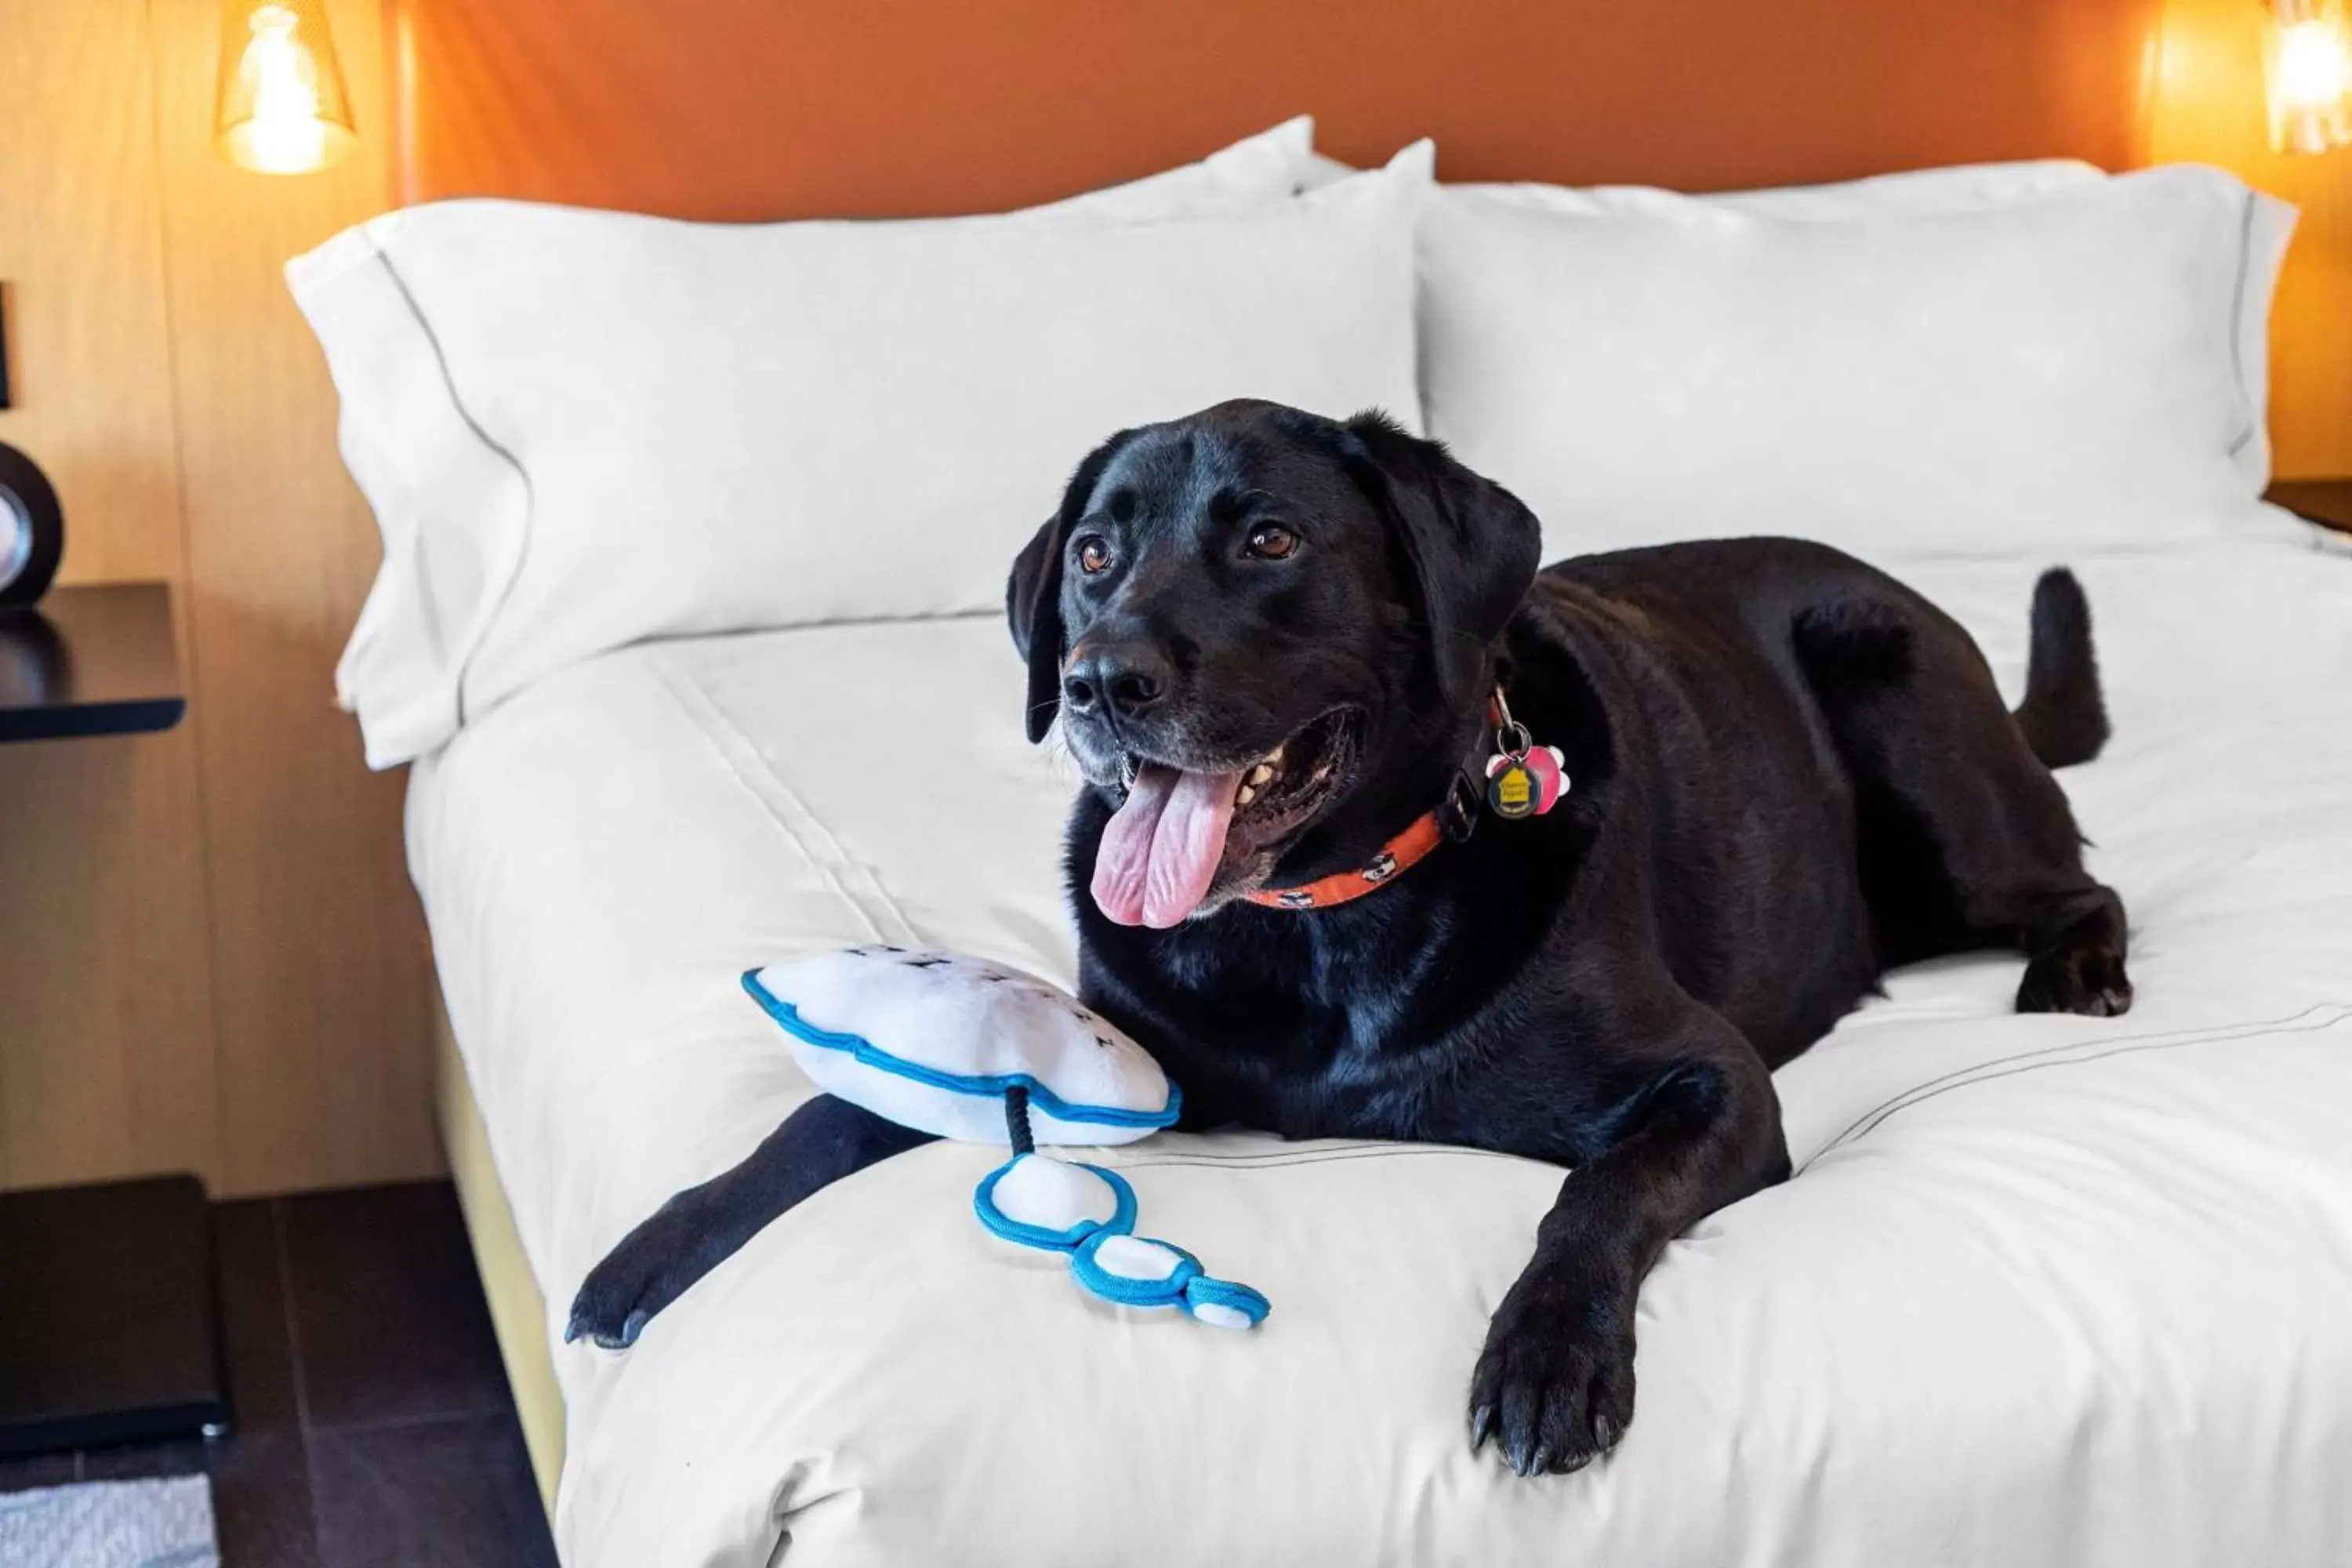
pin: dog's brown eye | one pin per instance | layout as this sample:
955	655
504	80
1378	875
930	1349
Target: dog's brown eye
1272	542
1093	556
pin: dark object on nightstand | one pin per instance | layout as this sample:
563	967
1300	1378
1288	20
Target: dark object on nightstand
94	660
108	1331
111	1332
2327	503
32	525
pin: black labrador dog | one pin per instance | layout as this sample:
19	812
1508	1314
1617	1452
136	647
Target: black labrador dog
1282	647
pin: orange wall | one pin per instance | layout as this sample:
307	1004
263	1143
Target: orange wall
755	108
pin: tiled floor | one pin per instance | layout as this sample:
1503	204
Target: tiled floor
374	1425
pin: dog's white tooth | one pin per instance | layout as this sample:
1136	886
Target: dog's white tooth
1243	795
1260	774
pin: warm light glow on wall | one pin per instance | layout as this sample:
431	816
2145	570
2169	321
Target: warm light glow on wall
2309	56
282	106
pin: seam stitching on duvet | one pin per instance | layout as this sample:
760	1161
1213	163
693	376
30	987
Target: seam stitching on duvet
1265	1162
2300	1023
783	807
2197	1031
695	704
466	417
842	860
2238	322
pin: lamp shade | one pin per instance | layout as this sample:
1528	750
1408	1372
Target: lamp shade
2308	61
282	107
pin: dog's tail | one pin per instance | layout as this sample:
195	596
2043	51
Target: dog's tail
2062	716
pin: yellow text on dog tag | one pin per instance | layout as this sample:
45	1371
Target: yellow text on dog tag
1510	787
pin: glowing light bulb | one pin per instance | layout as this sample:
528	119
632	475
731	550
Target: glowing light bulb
2310	57
281	96
2311	68
285	134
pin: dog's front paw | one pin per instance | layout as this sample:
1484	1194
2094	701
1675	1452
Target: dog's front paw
1554	1386
651	1267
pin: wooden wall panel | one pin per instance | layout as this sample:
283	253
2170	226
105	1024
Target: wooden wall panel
107	1063
319	961
81	247
210	956
2210	109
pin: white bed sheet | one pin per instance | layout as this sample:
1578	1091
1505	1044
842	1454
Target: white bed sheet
2044	1290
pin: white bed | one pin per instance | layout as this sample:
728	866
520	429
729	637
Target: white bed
2043	1290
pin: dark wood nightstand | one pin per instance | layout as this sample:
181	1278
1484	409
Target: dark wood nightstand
2327	503
111	1332
94	660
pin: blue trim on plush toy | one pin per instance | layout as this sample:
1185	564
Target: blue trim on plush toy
991	1086
1211	1291
1121	1221
1127	1290
1187	1286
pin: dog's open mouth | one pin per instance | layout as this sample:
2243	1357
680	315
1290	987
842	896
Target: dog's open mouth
1182	828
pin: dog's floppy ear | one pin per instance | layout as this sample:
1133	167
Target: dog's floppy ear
1470	547
1033	603
1033	594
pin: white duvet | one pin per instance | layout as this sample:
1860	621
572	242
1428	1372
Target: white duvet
2044	1290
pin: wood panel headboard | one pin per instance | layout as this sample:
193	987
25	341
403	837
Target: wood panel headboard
760	109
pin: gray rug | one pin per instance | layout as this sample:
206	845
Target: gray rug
110	1525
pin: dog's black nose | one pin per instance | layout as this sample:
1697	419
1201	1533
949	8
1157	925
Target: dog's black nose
1128	677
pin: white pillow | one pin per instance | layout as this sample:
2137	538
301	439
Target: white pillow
1945	189
1960	187
1956	188
582	429
2062	371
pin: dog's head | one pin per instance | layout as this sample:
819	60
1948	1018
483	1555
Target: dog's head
1263	631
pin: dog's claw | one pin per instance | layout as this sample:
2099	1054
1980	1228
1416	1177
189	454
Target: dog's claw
1482	1427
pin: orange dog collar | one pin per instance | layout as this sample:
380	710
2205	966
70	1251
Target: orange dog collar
1398	855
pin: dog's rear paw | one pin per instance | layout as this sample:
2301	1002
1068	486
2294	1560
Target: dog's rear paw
636	1280
1554	1386
2088	979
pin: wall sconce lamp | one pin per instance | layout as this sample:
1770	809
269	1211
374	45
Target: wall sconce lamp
282	108
2307	52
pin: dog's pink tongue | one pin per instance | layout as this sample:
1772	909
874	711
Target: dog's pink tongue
1159	851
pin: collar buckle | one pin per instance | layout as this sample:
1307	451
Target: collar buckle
1457	813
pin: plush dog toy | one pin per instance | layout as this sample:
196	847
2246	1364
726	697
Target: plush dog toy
985	1054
